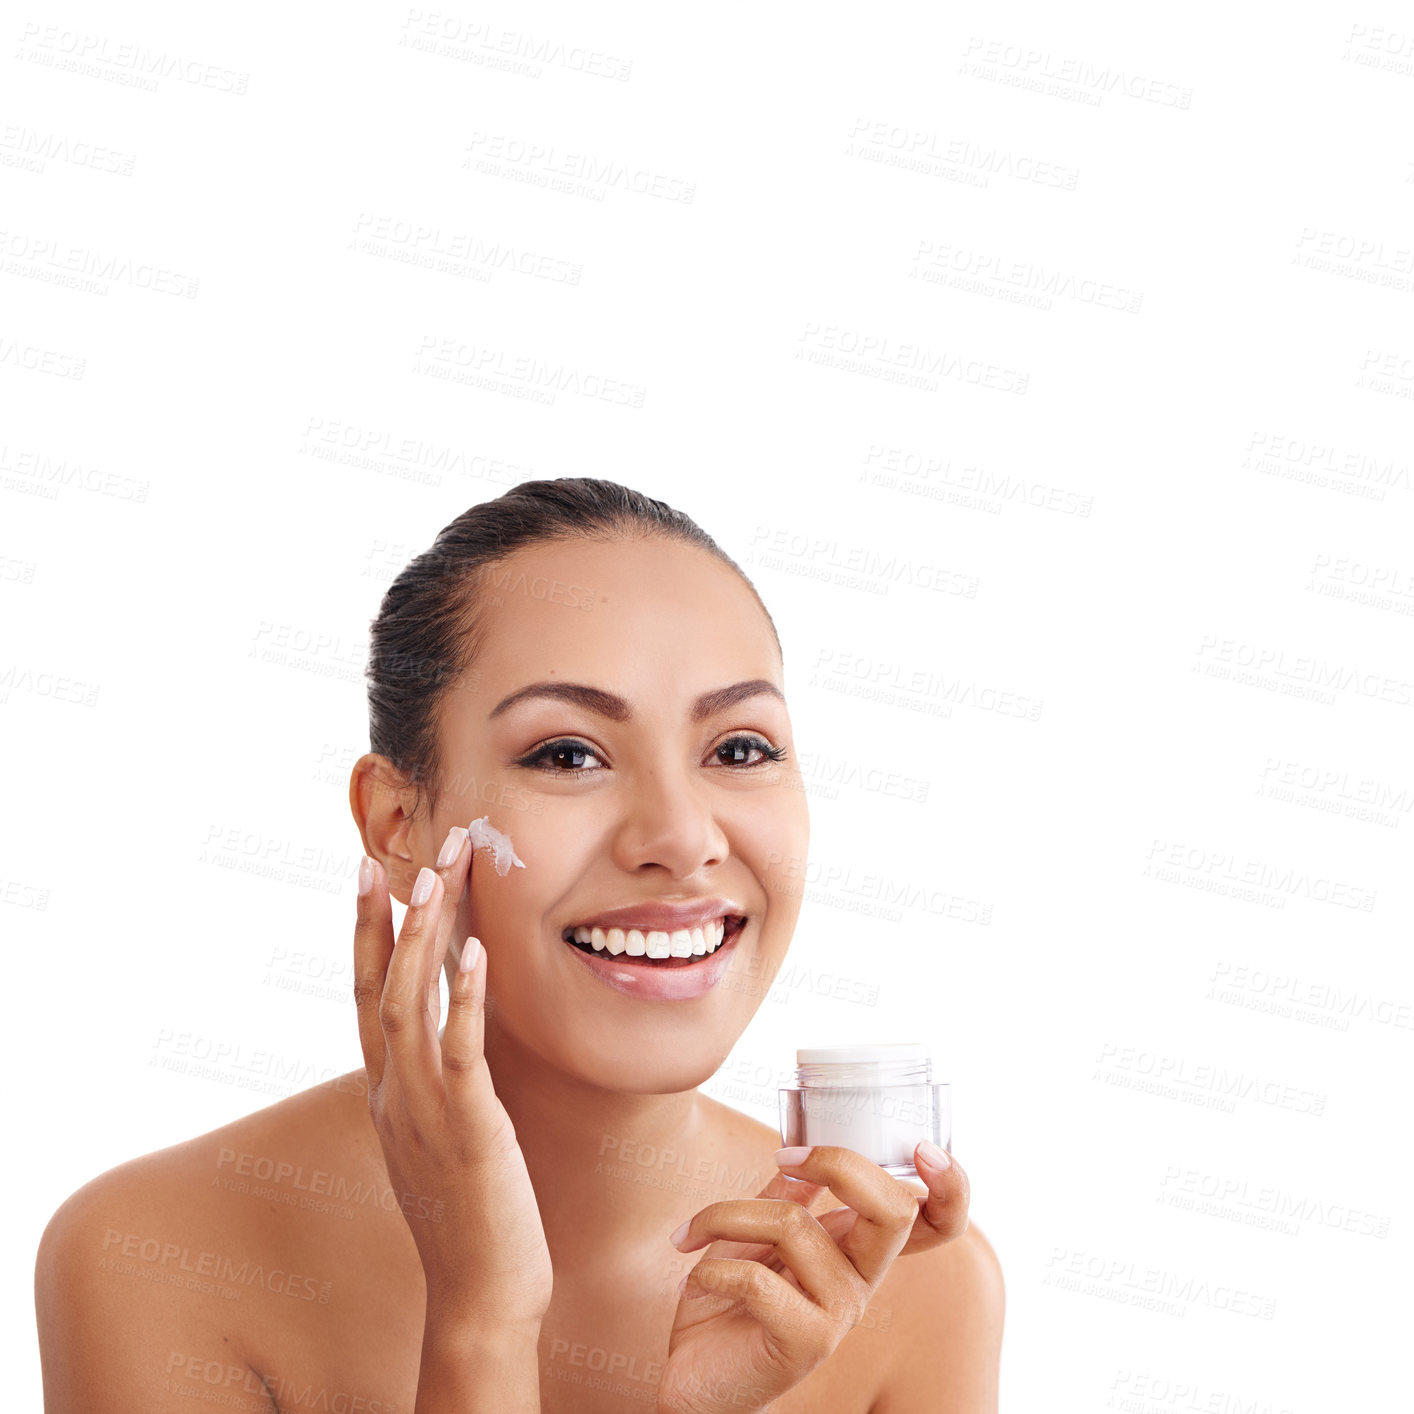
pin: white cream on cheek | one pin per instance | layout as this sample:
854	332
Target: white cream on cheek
484	835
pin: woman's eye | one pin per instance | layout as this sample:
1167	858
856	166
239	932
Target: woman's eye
554	755
738	745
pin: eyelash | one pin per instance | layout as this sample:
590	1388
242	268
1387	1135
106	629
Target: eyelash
541	753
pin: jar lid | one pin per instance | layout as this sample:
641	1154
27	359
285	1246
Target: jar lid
862	1052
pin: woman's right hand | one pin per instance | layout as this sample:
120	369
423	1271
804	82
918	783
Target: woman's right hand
446	1138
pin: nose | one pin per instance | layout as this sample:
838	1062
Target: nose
669	820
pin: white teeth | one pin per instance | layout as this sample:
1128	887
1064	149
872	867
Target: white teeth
635	942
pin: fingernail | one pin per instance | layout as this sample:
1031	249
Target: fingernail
422	890
451	846
365	875
677	1236
682	1285
471	954
933	1156
789	1158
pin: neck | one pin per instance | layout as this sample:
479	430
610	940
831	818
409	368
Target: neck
586	1150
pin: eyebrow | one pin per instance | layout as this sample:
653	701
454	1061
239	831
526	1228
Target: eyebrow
617	709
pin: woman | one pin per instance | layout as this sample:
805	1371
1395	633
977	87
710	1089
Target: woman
583	666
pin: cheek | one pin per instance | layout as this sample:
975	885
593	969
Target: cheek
555	854
774	843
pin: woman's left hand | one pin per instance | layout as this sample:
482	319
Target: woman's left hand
777	1288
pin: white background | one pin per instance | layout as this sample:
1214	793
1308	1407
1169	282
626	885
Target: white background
1121	303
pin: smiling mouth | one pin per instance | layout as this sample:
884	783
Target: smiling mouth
656	948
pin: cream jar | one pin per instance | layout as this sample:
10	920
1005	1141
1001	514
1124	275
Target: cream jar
878	1100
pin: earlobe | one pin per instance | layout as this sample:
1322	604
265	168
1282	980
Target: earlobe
377	800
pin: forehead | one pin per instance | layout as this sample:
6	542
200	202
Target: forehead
638	617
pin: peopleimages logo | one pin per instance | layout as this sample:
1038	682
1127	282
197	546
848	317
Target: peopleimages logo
92	54
171	1257
1029	67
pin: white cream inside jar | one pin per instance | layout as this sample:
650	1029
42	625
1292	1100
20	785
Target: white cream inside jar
878	1099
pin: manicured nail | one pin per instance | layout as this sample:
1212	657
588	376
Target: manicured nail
451	846
471	954
933	1156
789	1158
422	890
365	875
677	1236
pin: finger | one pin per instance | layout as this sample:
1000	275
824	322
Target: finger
821	1269
886	1208
942	1215
838	1222
373	947
797	1190
780	1185
453	867
414	1053
464	1072
759	1291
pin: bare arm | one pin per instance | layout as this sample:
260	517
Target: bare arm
478	1372
110	1336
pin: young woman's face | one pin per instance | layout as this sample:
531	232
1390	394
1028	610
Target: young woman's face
666	805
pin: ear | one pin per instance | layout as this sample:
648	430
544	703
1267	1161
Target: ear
382	802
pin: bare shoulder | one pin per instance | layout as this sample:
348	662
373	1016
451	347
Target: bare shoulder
185	1181
945	1309
170	1257
964	1275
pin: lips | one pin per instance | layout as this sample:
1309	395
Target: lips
674	979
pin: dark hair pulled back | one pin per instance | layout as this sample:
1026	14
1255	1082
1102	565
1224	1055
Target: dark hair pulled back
432	621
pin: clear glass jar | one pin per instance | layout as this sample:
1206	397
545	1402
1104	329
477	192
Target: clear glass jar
878	1100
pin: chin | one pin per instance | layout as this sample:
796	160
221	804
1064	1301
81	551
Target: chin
686	1068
